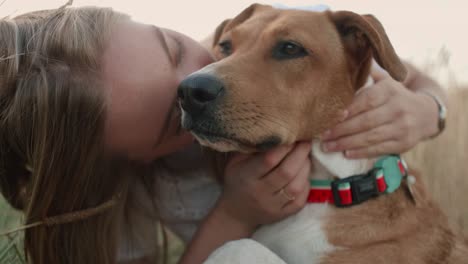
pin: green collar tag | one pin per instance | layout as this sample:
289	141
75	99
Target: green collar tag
393	171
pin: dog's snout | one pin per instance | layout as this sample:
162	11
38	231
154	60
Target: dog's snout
198	91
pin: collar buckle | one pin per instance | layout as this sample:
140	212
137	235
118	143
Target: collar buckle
362	187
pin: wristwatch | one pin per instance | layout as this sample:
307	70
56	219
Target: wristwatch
442	112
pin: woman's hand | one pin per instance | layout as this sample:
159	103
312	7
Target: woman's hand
258	189
383	119
266	187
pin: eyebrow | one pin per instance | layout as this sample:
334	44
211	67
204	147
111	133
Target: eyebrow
162	40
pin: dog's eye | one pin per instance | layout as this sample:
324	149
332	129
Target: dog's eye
225	47
285	50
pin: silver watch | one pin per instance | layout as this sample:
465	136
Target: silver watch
442	113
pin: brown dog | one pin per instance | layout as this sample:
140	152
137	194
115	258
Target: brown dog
284	76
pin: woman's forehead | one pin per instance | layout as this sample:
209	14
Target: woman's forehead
134	54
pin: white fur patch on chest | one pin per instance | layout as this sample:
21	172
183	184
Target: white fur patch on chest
338	165
299	239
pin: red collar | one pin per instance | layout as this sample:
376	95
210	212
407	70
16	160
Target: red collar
385	177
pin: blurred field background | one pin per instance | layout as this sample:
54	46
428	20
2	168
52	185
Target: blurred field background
442	161
430	34
10	246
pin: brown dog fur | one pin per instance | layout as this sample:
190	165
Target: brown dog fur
297	99
252	112
402	227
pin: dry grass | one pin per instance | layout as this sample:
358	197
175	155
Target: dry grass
10	246
443	161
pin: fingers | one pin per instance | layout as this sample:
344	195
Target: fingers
394	137
391	146
289	168
368	138
358	124
293	196
368	99
238	157
299	188
259	164
257	198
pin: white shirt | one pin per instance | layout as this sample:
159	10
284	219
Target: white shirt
185	191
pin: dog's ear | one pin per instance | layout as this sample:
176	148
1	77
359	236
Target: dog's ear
364	37
219	30
230	23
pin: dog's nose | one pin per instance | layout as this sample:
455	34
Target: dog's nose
198	91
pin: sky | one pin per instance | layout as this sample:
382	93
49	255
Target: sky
427	33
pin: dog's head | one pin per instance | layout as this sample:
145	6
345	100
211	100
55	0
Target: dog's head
282	76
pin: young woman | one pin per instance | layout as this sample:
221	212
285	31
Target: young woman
91	150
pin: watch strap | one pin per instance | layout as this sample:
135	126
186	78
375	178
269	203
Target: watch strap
442	115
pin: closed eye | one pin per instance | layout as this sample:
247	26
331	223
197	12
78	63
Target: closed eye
286	50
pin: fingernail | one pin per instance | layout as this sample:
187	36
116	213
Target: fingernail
329	146
349	153
344	115
326	134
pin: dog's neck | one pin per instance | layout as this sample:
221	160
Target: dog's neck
335	165
327	166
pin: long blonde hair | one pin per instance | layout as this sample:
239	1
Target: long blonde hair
52	112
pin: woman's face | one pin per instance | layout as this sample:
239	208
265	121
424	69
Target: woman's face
142	68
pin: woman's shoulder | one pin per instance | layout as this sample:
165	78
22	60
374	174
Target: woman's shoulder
181	191
186	193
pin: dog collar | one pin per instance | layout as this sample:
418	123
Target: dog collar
384	177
